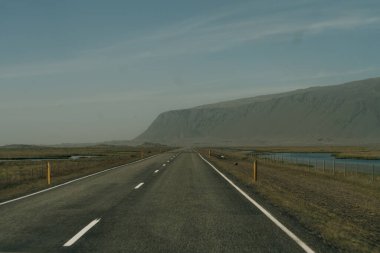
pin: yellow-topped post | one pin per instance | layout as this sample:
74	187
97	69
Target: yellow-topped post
48	174
254	171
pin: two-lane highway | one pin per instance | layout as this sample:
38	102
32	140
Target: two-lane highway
164	204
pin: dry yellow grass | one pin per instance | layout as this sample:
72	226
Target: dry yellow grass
338	151
23	176
343	212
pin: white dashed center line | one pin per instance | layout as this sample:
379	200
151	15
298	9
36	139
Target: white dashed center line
139	185
81	233
156	171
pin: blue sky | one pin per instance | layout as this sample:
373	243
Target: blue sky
89	70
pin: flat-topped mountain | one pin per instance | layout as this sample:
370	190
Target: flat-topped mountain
341	114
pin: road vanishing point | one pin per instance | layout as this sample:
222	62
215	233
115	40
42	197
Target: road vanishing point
172	202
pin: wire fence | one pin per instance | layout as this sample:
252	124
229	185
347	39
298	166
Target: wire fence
22	173
338	167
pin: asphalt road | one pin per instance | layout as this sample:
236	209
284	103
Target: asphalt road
184	206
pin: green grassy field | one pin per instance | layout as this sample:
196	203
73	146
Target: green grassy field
21	176
342	211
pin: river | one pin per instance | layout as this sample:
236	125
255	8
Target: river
327	160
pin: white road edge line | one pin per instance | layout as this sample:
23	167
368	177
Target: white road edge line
302	244
139	185
72	181
81	233
156	171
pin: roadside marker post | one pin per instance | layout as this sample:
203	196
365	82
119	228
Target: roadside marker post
254	172
48	173
142	154
209	153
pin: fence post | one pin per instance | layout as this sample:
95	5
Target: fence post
345	167
254	171
7	175
334	167
373	172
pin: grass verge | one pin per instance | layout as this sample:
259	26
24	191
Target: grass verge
22	176
344	213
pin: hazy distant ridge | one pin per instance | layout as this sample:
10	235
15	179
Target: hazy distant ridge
340	114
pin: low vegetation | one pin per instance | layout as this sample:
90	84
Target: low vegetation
342	211
338	151
24	169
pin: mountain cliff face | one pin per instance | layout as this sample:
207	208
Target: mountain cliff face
340	114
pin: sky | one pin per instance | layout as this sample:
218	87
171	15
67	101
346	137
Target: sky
79	71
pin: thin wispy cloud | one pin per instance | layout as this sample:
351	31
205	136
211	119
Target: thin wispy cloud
196	35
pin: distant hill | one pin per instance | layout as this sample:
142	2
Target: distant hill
21	146
345	114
